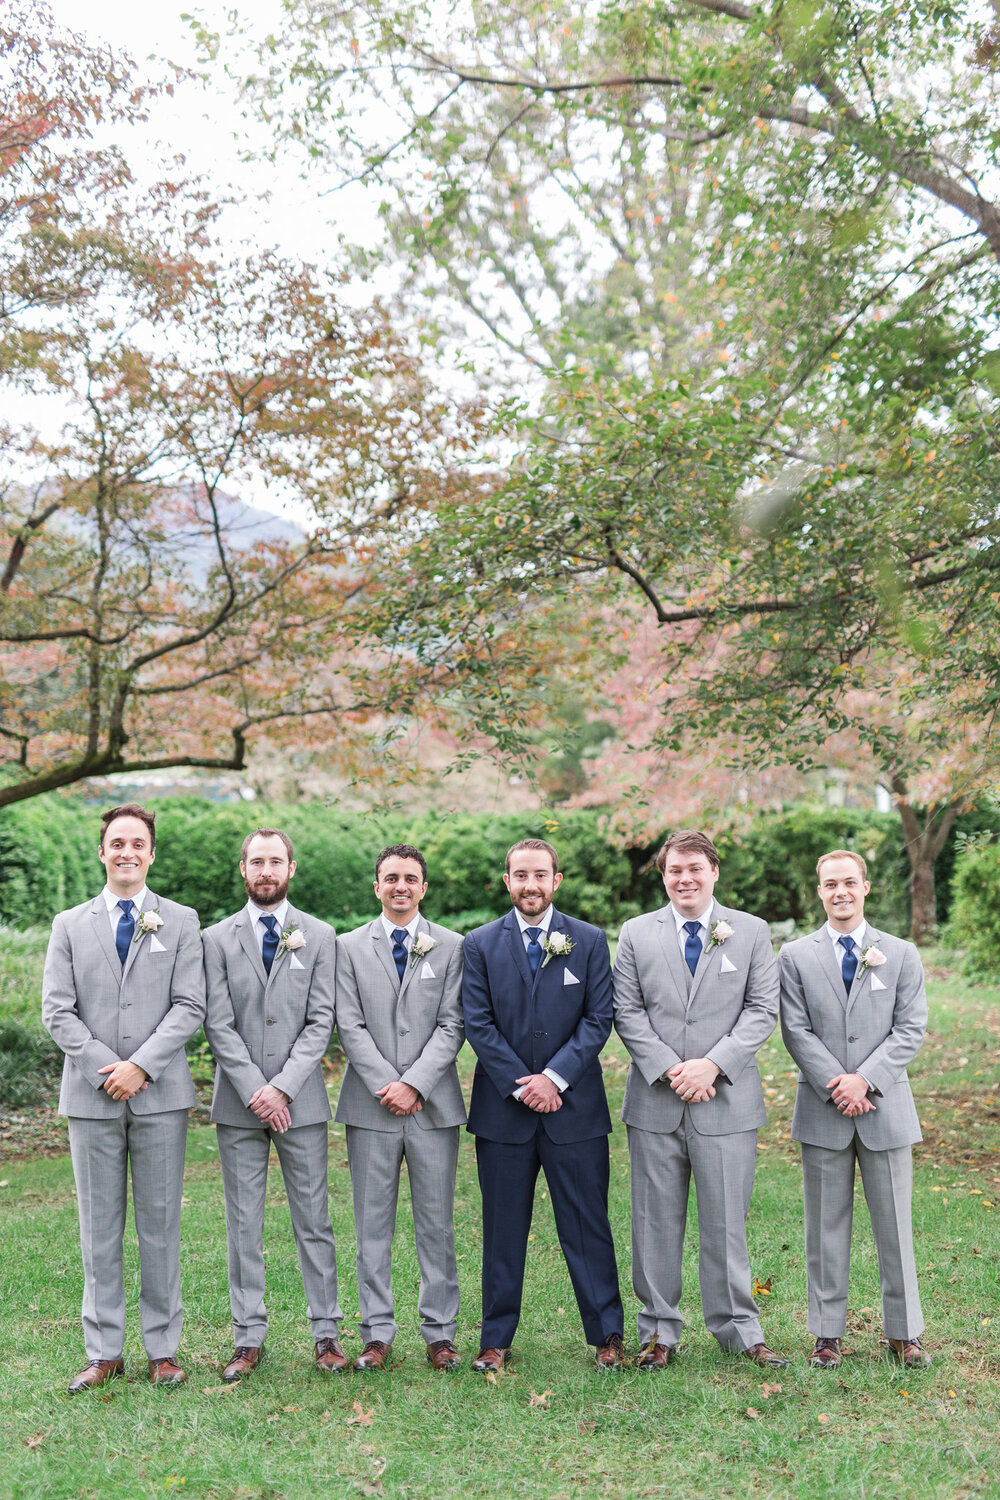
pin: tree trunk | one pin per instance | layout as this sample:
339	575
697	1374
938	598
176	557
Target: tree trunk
925	833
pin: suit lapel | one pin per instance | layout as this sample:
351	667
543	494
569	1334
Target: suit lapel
828	963
250	945
102	927
515	942
138	939
862	980
707	958
281	958
412	963
672	953
384	951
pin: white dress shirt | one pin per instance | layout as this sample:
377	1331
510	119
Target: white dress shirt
114	910
280	915
391	928
703	921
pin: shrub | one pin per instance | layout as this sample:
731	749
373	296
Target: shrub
975	909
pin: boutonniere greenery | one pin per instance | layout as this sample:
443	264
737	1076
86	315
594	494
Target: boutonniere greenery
872	958
292	939
720	932
556	945
422	944
149	921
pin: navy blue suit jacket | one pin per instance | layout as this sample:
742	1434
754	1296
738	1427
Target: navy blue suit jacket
517	1027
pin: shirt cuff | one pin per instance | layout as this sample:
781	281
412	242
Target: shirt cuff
560	1083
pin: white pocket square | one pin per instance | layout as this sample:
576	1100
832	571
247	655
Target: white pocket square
569	977
295	963
877	983
427	972
726	967
155	946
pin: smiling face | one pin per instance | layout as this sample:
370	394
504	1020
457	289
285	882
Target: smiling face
126	854
689	880
400	886
532	882
266	870
842	890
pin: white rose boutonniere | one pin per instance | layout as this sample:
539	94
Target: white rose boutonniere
720	932
556	945
872	958
292	939
149	921
422	944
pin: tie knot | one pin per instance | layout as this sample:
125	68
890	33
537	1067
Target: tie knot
270	921
847	942
692	928
399	936
533	933
126	905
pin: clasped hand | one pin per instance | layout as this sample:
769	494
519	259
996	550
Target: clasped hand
271	1106
124	1080
540	1093
850	1094
399	1098
694	1079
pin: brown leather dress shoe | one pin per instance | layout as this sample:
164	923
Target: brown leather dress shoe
762	1355
908	1352
166	1372
442	1355
826	1354
611	1354
97	1372
244	1361
655	1356
489	1361
374	1356
330	1358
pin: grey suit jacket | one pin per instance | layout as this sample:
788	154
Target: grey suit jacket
876	1030
269	1028
730	1012
99	1013
410	1031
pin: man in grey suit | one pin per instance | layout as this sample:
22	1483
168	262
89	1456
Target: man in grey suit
399	1020
853	1016
271	974
123	989
696	997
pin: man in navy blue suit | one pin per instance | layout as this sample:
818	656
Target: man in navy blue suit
536	991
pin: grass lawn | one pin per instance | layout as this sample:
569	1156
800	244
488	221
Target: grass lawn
708	1425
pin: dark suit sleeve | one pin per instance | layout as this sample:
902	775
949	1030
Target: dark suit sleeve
501	1062
583	1048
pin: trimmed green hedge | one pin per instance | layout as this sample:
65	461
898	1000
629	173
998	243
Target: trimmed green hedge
975	913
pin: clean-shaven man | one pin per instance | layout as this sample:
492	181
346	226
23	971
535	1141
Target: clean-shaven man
271	973
696	997
537	999
123	990
853	1016
399	1020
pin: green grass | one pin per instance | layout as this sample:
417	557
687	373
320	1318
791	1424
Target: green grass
708	1425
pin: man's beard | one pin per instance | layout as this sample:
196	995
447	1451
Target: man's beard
272	894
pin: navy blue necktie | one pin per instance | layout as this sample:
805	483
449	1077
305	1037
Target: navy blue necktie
534	949
126	929
692	945
849	964
269	947
399	949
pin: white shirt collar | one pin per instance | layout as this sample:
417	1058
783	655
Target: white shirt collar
543	921
703	920
111	900
858	935
280	913
391	927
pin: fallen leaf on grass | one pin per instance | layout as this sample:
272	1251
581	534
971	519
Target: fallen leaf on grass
361	1417
823	1418
762	1288
289	1408
753	1413
220	1390
769	1390
539	1400
583	1428
36	1441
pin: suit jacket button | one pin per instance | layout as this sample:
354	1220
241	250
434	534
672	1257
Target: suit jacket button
538	1033
852	1038
269	1021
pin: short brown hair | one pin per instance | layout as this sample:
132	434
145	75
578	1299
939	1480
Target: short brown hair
267	833
688	841
533	844
842	854
130	810
401	851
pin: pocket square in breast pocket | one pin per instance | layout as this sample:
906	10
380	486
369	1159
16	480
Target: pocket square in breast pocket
427	972
155	946
295	963
877	983
569	977
726	967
